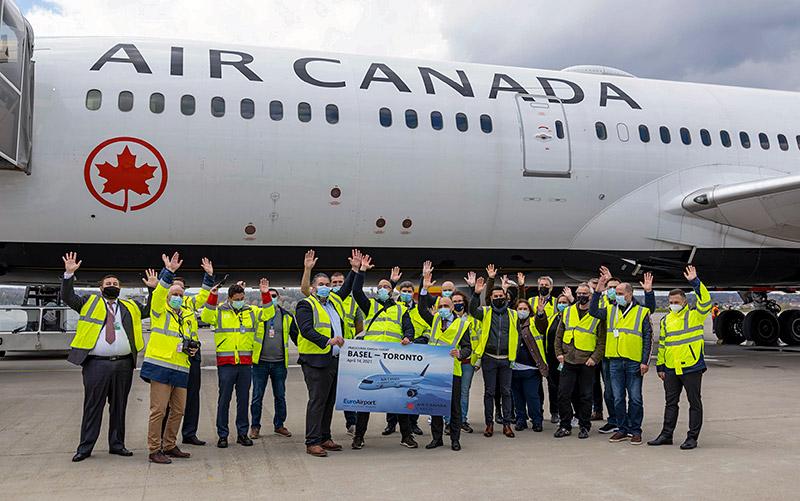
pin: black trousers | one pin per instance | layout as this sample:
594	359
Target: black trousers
321	384
553	377
673	385
496	380
597	389
105	381
391	419
191	414
362	422
574	376
437	422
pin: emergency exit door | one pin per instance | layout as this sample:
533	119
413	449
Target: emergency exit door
545	137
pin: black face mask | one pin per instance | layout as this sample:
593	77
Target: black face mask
544	291
458	306
499	303
111	292
582	299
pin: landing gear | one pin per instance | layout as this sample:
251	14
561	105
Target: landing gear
789	321
762	327
730	326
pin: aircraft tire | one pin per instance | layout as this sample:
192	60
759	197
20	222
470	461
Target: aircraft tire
789	321
762	327
729	326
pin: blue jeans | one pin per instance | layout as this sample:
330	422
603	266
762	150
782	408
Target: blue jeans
230	377
608	391
525	388
627	378
261	373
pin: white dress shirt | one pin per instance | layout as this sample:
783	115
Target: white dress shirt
121	346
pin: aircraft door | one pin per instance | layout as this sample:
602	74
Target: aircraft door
16	88
545	137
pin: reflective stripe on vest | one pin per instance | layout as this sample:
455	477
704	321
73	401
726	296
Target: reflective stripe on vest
387	327
322	324
584	333
93	317
88	316
682	347
623	337
439	337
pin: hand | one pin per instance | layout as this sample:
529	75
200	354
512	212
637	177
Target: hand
172	263
427	283
647	282
470	279
205	263
477	365
192	352
544	370
605	276
70	263
643	368
366	263
151	280
427	268
310	260
491	271
242	284
454	352
504	283
560	359
263	286
405	341
662	375
480	284
568	292
333	341
590	363
355	259
214	290
339	340
690	273
520	278
396	275
540	306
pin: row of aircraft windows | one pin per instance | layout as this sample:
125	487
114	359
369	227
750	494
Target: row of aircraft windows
686	136
247	109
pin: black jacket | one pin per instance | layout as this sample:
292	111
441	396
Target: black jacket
304	316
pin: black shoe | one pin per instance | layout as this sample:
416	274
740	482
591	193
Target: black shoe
416	430
80	456
409	442
389	430
521	426
584	433
193	441
538	428
498	420
562	432
455	445
222	443
358	443
554	418
244	440
121	452
690	443
447	429
608	428
467	428
434	444
660	440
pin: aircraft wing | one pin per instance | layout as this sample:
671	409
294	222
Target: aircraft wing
769	207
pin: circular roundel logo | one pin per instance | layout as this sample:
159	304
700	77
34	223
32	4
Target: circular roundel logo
125	173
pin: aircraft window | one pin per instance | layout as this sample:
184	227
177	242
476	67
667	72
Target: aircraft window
411	119
665	135
367	381
437	123
94	98
385	117
247	108
783	142
686	137
304	112
461	122
187	104
745	139
764	140
559	127
332	114
157	102
125	101
276	110
725	137
600	130
217	106
622	132
644	133
705	137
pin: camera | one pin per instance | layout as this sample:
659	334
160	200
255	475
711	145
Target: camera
190	344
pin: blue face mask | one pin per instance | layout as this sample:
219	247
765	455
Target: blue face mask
383	294
458	306
405	297
447	293
238	305
611	294
336	288
323	291
175	302
621	301
445	313
562	307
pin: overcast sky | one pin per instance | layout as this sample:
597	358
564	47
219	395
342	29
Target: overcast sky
734	42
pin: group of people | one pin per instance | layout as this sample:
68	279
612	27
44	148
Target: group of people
599	337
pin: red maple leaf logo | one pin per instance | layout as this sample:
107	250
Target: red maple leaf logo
410	406
126	175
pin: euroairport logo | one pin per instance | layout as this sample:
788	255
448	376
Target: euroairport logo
358	401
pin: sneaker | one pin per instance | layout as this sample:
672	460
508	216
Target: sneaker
243	440
554	418
409	442
618	437
222	443
538	428
521	426
596	416
562	432
608	428
636	440
351	430
416	430
584	433
358	443
465	427
389	430
498	419
574	422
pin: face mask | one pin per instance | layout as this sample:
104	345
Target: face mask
323	291
611	294
445	313
175	302
336	288
238	305
111	292
621	301
582	299
499	303
458	307
562	306
523	314
544	291
447	293
675	307
405	296
383	294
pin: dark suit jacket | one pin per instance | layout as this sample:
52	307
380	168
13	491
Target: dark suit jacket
77	355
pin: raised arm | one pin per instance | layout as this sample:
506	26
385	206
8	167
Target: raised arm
425	299
309	261
703	306
71	265
649	295
267	306
355	263
475	302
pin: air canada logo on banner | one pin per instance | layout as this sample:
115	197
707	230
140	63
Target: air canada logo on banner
125	173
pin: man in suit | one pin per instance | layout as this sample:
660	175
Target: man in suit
106	343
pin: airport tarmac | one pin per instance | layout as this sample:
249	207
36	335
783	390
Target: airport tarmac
749	446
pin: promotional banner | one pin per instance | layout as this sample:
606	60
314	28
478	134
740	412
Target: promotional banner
390	377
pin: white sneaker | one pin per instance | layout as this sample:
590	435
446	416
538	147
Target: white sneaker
429	420
351	430
574	422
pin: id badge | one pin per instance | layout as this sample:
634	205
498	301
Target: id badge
616	333
271	333
117	324
179	348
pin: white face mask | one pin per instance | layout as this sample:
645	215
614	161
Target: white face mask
675	307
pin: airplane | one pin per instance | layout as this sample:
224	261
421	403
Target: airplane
121	148
388	379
